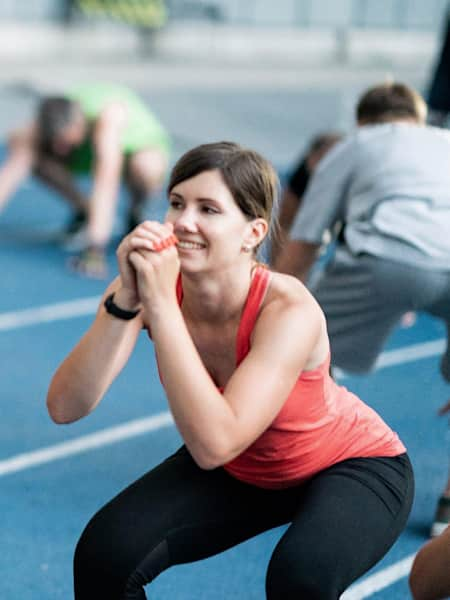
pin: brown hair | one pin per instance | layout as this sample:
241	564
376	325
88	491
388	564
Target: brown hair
251	179
53	115
390	102
323	142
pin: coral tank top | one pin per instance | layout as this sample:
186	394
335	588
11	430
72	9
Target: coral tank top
321	423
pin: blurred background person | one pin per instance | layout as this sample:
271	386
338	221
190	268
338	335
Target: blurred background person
296	184
389	182
102	130
439	92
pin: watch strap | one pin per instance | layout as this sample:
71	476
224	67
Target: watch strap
116	311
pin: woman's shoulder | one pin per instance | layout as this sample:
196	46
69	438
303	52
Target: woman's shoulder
289	293
291	315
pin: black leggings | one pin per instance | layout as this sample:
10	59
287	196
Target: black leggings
341	523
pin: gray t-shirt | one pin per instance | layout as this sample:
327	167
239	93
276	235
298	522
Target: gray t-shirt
390	185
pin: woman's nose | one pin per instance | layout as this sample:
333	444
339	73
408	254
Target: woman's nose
185	221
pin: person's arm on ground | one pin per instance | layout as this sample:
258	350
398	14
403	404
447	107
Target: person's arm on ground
58	176
18	164
107	172
430	574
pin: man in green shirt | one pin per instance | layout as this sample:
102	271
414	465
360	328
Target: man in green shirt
99	129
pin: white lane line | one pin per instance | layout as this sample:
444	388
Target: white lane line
401	356
48	313
378	581
410	353
84	443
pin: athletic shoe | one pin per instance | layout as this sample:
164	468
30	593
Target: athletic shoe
442	516
75	234
90	263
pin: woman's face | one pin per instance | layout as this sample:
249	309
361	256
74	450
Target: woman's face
209	225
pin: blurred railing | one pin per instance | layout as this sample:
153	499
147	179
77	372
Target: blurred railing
388	14
359	14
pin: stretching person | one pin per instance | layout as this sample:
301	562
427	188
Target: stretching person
291	199
100	129
244	357
389	182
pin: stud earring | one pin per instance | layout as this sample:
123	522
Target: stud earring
246	248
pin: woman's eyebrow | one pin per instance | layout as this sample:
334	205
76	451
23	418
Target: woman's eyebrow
198	199
207	199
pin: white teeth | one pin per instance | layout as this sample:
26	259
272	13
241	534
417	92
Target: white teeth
190	245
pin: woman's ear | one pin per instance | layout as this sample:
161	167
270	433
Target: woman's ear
257	231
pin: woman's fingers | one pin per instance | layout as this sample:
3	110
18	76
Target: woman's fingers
171	240
151	242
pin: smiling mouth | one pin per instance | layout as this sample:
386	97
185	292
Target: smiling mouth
190	245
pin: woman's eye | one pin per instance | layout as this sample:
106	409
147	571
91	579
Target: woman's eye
210	210
175	204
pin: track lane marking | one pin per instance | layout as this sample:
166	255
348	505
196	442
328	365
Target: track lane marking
380	580
48	313
91	441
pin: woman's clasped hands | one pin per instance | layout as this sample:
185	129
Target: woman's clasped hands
149	265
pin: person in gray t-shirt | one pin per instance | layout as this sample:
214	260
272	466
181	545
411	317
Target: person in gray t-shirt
389	182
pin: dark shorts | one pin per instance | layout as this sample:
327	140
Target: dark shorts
364	297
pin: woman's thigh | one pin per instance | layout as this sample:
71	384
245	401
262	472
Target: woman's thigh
350	516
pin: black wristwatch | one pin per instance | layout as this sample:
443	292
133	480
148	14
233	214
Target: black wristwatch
116	311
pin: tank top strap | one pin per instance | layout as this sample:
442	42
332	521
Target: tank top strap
179	290
256	294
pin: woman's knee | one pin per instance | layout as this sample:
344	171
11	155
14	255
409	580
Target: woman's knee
101	553
92	550
294	578
146	169
113	555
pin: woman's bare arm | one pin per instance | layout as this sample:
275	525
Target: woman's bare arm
85	375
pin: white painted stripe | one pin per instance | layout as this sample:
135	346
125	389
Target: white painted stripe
410	353
85	443
379	581
404	355
48	313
